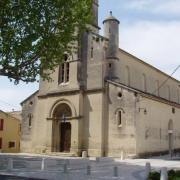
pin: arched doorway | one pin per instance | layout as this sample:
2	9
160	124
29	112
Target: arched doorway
61	128
170	137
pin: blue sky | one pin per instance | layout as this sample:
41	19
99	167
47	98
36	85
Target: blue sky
149	29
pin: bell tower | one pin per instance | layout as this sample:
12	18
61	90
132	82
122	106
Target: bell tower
95	13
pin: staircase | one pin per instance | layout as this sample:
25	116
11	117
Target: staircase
61	154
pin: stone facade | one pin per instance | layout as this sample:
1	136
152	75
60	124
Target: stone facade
104	101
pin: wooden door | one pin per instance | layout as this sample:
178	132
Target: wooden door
65	140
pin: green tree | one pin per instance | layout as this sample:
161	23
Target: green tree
34	34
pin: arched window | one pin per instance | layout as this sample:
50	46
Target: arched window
144	83
92	52
156	88
168	93
170	125
64	70
127	76
1	124
29	120
92	49
178	98
119	117
0	143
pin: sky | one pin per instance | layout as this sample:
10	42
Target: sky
149	29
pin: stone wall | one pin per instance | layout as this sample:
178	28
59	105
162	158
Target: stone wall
152	128
121	137
139	75
29	108
92	125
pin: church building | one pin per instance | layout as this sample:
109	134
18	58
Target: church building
105	101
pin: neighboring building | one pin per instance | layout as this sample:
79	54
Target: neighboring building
105	101
10	131
16	114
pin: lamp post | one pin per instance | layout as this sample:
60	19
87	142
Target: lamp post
145	110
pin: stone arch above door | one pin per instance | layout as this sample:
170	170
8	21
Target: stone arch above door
59	105
62	110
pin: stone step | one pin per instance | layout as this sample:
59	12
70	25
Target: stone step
61	154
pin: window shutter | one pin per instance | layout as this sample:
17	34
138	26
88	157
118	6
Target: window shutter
1	124
0	143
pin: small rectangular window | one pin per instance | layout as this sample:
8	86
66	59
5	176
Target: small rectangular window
12	144
1	124
0	143
92	53
173	110
62	73
67	72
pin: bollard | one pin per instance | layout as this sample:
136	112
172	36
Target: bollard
115	171
122	155
164	174
88	170
65	168
43	164
97	159
84	154
147	170
10	164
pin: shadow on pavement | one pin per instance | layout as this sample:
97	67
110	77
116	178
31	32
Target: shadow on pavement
8	177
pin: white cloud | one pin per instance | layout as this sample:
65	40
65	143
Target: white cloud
10	98
158	7
138	4
170	6
12	95
156	43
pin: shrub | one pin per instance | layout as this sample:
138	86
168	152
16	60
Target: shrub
154	176
172	175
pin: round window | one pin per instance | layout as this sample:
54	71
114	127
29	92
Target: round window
119	94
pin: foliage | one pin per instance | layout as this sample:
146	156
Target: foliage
172	175
35	34
154	176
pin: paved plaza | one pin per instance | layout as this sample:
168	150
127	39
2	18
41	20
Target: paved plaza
56	168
